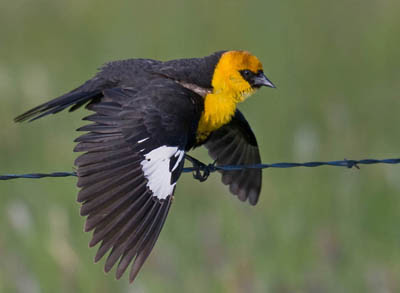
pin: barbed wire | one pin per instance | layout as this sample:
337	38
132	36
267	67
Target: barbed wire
210	168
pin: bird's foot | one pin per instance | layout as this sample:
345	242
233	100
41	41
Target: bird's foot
201	171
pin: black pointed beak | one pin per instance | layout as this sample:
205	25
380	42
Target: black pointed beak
261	80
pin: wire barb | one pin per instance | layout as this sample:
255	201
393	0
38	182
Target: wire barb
201	171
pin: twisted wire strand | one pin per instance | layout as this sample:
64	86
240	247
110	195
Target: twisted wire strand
212	167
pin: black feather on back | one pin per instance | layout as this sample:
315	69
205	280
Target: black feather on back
198	71
135	74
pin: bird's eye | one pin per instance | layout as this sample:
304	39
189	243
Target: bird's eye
246	73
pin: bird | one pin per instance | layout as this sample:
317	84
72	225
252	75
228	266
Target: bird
146	115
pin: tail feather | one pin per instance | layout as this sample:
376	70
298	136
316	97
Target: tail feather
74	99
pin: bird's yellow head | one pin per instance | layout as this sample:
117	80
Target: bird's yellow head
238	74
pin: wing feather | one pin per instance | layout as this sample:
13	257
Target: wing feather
235	144
133	156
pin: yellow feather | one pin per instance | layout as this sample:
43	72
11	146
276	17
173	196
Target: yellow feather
229	88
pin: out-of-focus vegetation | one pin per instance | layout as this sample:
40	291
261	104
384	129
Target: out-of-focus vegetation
337	68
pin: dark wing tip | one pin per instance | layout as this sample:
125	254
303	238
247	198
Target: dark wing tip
148	245
29	114
134	245
253	196
248	190
75	99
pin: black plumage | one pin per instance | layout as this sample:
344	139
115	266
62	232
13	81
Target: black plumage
146	114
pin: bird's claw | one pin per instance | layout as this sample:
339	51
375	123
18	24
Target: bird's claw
201	171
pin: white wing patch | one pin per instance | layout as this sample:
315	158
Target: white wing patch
156	168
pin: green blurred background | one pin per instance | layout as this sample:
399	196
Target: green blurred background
337	68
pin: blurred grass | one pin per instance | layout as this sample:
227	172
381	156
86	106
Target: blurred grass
336	65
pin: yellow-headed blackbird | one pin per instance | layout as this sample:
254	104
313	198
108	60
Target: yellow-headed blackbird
148	114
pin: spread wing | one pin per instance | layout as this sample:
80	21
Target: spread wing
235	144
134	156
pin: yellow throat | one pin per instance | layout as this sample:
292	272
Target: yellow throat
229	88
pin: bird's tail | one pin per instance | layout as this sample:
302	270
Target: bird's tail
75	99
